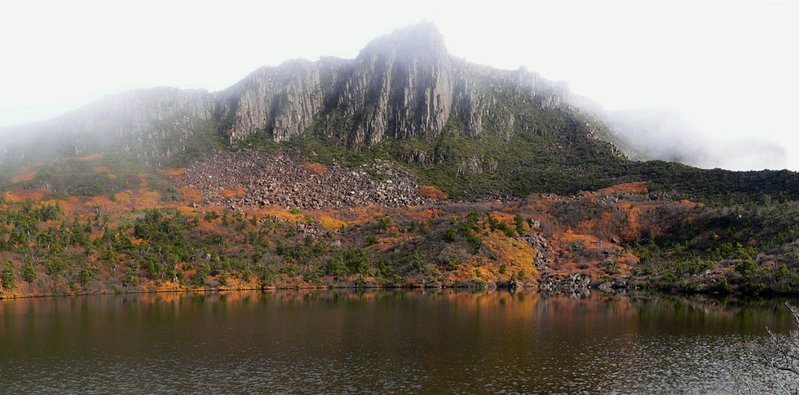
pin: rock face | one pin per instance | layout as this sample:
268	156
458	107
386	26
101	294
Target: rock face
400	86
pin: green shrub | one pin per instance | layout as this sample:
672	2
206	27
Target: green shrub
384	222
29	272
746	267
519	220
200	277
53	266
210	216
449	235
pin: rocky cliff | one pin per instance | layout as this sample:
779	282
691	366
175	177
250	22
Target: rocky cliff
403	85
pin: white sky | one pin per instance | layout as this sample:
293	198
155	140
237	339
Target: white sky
730	67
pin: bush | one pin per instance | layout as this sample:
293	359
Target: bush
53	266
431	192
210	216
335	266
746	267
384	222
506	229
449	235
29	271
200	277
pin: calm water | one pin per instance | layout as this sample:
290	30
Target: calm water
395	341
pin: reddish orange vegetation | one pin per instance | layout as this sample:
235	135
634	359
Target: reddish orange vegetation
25	195
360	215
689	204
431	192
104	204
284	214
570	237
235	192
427	215
632	187
514	253
190	193
331	223
24	175
172	172
504	217
123	197
86	158
314	168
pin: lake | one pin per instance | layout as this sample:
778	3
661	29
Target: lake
379	341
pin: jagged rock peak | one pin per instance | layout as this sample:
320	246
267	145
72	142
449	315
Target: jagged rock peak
422	40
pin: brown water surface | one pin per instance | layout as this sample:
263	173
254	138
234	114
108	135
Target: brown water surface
378	341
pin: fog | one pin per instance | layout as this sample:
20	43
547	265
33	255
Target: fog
667	135
719	77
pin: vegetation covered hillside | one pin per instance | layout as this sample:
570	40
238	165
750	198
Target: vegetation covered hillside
615	239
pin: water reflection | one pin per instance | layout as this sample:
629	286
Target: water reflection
397	340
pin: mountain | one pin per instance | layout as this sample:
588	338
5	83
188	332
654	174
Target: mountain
471	130
404	166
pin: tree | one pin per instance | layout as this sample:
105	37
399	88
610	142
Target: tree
519	220
29	271
7	276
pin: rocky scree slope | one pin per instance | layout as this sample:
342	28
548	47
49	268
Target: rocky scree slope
253	178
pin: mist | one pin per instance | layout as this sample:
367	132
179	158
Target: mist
667	135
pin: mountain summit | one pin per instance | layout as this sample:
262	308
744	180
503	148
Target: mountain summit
401	86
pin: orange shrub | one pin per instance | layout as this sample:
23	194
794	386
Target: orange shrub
631	187
315	168
24	176
22	195
190	193
172	172
234	192
86	158
331	223
123	197
431	192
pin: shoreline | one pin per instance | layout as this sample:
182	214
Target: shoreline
634	292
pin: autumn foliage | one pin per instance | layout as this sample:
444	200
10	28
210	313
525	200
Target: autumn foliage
314	168
431	192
